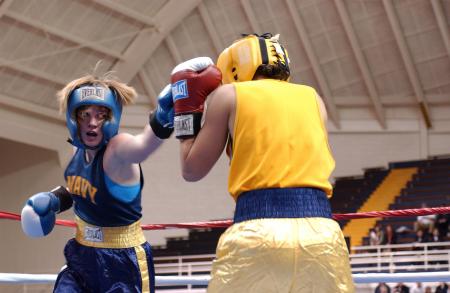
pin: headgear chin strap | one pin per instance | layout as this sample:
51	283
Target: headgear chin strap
97	95
240	61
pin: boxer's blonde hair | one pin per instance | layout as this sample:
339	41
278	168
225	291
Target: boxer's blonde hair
125	93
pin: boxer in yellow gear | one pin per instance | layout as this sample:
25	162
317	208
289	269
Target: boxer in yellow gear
283	238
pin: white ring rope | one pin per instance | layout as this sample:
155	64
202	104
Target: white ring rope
27	278
204	279
49	278
402	277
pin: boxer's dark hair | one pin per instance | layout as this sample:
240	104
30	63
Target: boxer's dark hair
278	71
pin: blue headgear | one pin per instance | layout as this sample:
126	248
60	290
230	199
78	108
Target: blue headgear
93	95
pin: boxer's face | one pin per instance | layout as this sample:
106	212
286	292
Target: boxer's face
90	120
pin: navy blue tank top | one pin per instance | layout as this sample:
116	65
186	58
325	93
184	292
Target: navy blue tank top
93	203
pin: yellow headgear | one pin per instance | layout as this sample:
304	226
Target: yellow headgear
240	61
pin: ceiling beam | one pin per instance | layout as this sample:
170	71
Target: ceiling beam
400	100
327	95
125	11
142	48
23	122
33	72
64	35
4	6
209	25
248	10
442	23
28	107
273	17
173	49
148	87
362	63
407	60
229	24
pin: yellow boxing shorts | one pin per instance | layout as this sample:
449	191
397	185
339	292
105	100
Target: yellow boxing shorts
282	241
305	255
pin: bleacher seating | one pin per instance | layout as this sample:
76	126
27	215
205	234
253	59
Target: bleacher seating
351	192
379	200
200	241
431	185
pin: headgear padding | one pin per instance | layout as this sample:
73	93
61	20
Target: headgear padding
240	61
93	95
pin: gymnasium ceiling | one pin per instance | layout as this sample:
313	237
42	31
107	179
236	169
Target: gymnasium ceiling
371	60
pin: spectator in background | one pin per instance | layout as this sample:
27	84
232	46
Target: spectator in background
382	288
390	235
421	237
442	223
401	288
428	289
418	288
373	237
380	234
435	236
425	223
442	288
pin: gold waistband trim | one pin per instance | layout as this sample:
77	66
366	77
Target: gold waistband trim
109	237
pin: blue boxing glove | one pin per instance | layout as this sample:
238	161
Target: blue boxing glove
39	213
161	120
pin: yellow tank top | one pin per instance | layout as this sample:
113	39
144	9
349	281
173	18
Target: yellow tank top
279	138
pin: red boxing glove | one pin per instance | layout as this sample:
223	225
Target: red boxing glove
192	82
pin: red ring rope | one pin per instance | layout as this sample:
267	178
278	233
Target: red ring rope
226	223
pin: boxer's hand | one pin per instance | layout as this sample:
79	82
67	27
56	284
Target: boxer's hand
38	214
192	82
161	120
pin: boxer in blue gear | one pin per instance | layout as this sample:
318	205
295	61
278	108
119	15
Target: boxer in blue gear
104	182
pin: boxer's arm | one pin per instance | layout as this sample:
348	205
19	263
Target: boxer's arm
125	148
322	109
199	154
39	213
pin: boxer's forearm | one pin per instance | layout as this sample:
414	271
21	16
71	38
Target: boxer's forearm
196	157
133	149
188	163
